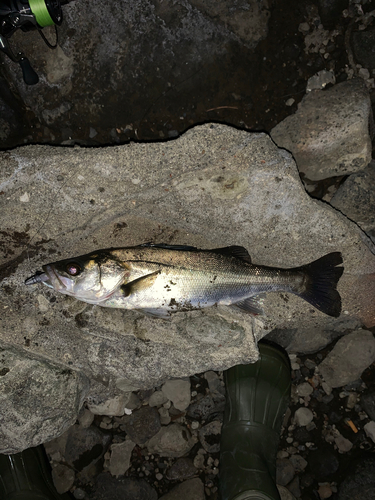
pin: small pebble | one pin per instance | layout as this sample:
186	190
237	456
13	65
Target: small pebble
158	398
304	389
303	416
343	444
364	73
310	364
79	494
86	418
25	198
311	426
370	430
352	400
326	388
304	28
165	418
325	490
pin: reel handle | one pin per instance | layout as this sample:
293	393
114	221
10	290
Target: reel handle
30	77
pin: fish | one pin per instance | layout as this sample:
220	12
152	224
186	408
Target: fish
160	280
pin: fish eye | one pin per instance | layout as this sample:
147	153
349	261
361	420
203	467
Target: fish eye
73	269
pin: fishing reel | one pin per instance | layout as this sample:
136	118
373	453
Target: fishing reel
27	15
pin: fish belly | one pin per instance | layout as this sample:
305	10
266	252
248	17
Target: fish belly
172	292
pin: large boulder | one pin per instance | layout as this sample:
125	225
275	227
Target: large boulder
212	187
329	133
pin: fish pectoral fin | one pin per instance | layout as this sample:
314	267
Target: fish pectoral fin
156	313
252	305
139	284
234	251
170	247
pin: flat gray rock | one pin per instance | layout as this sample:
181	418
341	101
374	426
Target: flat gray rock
127	488
284	471
329	134
120	457
356	199
80	447
142	424
63	478
178	391
172	441
209	436
212	187
39	399
182	469
192	489
348	359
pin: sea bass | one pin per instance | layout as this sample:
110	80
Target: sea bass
162	279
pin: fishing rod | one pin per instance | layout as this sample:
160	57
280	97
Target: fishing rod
27	15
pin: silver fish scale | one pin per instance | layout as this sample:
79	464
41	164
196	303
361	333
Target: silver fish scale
197	279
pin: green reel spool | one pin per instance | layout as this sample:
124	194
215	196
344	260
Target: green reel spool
40	11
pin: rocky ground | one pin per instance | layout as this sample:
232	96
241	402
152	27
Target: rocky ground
166	445
164	442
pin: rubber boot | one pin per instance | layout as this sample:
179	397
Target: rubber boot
27	476
257	398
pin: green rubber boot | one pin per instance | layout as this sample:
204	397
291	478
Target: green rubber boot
257	398
27	476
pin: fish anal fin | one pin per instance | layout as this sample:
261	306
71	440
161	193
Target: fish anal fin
139	284
252	305
234	251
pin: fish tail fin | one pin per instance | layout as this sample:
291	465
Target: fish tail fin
321	283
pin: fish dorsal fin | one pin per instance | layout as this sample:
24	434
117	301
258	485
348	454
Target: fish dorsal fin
252	305
234	251
139	284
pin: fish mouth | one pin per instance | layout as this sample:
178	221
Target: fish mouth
48	277
38	277
52	278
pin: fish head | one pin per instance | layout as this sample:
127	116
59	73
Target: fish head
91	278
